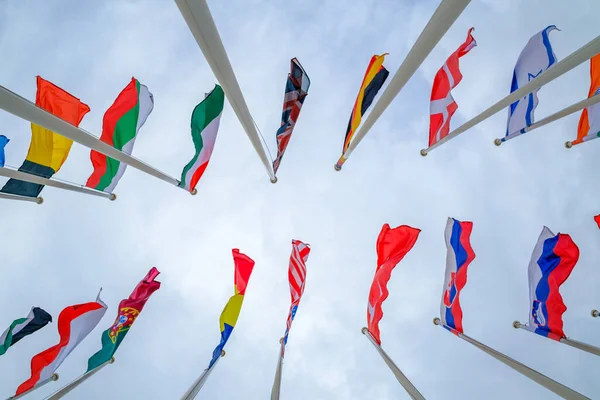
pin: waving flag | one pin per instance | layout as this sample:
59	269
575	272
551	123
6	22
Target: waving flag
48	150
296	89
3	142
442	105
120	126
205	125
458	257
552	261
597	219
129	310
74	324
22	327
373	80
536	57
392	246
589	122
231	312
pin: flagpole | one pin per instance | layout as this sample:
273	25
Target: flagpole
570	342
191	393
556	116
54	377
442	19
573	60
8	196
60	393
550	384
13	173
277	381
200	22
595	313
23	108
404	381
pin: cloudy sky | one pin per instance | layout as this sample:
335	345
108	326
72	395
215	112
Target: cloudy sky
62	252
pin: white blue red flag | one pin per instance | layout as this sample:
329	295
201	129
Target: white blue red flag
552	261
458	257
536	57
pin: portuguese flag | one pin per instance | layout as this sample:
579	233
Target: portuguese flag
121	123
205	125
129	309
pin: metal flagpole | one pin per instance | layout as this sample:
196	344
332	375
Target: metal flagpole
558	115
23	108
198	383
558	69
59	394
54	377
573	343
277	381
13	173
439	23
406	384
550	384
8	196
196	14
595	313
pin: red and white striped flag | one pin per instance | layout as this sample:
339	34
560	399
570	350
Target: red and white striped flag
297	278
442	105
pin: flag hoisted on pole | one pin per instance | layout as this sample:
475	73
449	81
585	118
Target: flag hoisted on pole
589	122
41	383
21	327
200	22
439	23
191	393
570	342
60	393
37	200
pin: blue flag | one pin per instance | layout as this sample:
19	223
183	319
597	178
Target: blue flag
3	141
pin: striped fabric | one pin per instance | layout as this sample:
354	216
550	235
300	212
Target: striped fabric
297	278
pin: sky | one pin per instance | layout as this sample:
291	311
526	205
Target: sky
62	252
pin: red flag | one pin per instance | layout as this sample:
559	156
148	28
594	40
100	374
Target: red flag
597	219
392	246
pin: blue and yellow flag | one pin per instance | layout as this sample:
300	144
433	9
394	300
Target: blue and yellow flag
231	312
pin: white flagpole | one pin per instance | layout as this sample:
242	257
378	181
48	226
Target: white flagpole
442	19
54	377
404	381
550	384
557	70
556	116
191	393
23	108
595	313
8	196
59	394
277	381
200	22
573	343
13	173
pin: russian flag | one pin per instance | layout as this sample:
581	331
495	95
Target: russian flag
459	256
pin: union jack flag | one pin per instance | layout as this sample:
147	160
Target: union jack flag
297	278
296	89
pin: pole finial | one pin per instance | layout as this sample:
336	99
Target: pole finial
194	192
568	144
423	152
54	377
497	142
280	340
112	360
39	200
437	321
595	313
337	167
112	197
364	330
516	324
274	179
223	353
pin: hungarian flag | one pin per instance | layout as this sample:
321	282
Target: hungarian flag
48	150
22	327
74	324
129	309
589	122
120	126
205	125
392	246
3	142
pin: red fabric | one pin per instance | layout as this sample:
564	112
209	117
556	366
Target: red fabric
243	270
597	219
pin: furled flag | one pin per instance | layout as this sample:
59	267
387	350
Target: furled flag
297	278
536	57
597	219
442	105
129	310
552	261
458	257
3	142
231	312
205	125
74	324
392	246
22	327
120	126
296	89
48	150
373	80
589	122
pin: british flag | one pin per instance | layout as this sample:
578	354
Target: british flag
296	89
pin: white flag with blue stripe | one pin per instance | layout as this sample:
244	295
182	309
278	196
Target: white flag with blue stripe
536	57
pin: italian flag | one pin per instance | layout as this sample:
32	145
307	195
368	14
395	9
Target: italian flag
122	121
205	125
